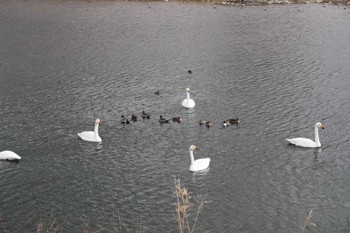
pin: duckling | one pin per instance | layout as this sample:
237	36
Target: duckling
124	120
208	124
177	119
133	117
163	120
145	115
157	92
202	122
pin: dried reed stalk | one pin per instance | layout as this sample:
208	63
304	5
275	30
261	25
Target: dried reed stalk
2	223
184	206
307	222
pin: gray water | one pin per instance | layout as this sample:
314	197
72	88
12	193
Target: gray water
280	69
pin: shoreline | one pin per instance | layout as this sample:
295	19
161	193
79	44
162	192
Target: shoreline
238	3
232	3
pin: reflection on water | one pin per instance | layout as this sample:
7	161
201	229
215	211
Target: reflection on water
278	69
317	163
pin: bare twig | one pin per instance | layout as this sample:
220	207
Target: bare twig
200	202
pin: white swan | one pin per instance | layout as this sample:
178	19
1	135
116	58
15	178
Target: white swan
199	164
91	136
188	103
9	155
305	142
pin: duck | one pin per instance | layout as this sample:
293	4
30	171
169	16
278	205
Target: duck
177	119
226	123
199	164
188	103
157	92
189	71
9	155
234	121
163	120
133	117
209	124
91	136
308	143
202	122
124	120
145	115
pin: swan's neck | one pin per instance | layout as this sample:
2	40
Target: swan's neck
192	158
188	95
317	139
96	131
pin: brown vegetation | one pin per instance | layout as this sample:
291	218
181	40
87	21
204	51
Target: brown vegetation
307	222
184	205
187	212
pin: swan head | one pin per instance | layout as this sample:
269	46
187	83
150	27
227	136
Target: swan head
187	89
97	122
319	125
193	147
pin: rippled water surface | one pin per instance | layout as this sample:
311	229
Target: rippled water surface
280	69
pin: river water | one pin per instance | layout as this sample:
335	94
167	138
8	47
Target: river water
280	69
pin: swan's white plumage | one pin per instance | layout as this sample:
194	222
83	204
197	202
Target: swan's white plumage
91	136
9	155
199	164
188	102
305	142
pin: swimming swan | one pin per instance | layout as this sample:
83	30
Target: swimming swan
9	155
305	142
199	164
91	136
188	103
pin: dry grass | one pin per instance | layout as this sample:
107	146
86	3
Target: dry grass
186	220
2	223
184	207
307	221
47	225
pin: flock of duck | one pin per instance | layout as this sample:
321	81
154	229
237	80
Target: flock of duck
196	165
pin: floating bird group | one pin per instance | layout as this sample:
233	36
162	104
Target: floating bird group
199	164
196	165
